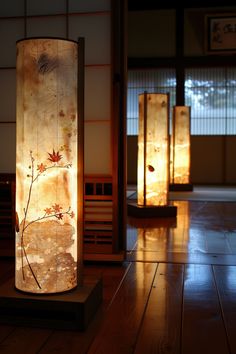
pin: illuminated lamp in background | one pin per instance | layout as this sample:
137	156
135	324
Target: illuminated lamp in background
180	150
49	166
153	158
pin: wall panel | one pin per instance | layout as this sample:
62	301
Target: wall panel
207	156
12	8
193	38
89	5
8	95
10	31
45	7
46	26
96	29
230	160
8	145
97	148
97	92
148	31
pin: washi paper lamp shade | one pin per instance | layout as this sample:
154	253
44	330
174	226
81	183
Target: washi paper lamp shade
153	149
180	149
47	166
153	158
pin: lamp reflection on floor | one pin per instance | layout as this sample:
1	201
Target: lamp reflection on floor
163	235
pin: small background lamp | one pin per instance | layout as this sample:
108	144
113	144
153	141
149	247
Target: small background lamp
153	157
180	150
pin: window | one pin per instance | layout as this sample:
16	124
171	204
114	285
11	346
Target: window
158	80
211	93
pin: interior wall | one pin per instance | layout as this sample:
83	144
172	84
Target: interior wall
147	31
230	160
207	155
212	160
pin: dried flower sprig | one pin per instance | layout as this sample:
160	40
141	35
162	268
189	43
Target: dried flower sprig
54	211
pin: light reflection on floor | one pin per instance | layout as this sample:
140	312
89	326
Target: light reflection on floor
200	227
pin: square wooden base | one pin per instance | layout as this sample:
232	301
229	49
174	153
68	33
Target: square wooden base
69	310
133	209
180	187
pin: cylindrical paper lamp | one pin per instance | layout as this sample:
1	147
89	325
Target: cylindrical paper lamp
47	165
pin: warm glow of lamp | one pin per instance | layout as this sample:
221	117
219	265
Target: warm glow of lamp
153	149
46	165
180	146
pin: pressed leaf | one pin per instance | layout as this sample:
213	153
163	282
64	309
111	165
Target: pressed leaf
54	156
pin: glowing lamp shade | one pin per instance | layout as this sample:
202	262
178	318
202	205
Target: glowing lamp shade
153	149
180	145
46	165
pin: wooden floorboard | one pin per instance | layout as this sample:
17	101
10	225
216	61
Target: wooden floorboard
24	340
161	326
203	329
231	237
126	312
179	257
74	342
5	331
226	285
217	242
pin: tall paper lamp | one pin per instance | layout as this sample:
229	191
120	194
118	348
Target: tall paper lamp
48	166
153	157
180	149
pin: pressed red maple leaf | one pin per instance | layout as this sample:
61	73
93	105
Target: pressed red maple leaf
48	211
59	216
41	168
56	208
55	156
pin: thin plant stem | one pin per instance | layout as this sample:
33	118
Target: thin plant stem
58	215
24	221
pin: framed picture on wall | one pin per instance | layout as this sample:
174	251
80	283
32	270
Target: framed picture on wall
220	33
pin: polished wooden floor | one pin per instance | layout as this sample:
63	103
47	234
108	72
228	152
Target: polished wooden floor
175	293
